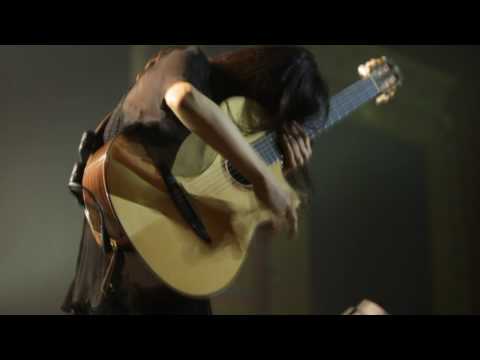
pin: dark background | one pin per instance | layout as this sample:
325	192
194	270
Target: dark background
393	219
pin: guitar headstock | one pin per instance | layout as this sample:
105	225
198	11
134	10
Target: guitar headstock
386	76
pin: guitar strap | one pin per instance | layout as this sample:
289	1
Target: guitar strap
90	142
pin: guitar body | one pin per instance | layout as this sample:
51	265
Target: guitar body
142	216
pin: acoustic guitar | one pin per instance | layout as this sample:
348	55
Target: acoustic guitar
192	217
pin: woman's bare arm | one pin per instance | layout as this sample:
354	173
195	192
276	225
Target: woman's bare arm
205	118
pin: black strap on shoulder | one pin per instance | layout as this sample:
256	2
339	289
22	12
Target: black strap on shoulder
90	142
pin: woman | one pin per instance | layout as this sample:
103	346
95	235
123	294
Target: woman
179	92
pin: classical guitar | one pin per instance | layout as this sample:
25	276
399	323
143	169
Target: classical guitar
193	218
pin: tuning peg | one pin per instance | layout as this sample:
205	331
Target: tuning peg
382	99
364	71
386	97
372	64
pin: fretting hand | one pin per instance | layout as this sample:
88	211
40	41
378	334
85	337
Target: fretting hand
297	147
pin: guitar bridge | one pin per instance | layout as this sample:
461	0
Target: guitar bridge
183	205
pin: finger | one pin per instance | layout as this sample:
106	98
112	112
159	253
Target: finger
301	131
286	155
306	144
290	154
293	222
306	138
302	141
305	151
291	130
310	147
296	145
308	152
277	224
293	140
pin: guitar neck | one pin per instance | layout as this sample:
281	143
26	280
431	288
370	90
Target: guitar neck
341	105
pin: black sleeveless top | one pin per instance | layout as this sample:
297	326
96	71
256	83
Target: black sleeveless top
142	112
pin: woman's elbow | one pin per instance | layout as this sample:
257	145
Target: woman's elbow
178	95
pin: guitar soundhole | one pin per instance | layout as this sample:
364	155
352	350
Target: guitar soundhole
241	180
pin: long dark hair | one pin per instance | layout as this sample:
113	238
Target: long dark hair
285	80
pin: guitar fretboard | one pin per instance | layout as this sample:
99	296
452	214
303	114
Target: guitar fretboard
341	105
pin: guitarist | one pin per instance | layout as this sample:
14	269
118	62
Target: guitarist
179	92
